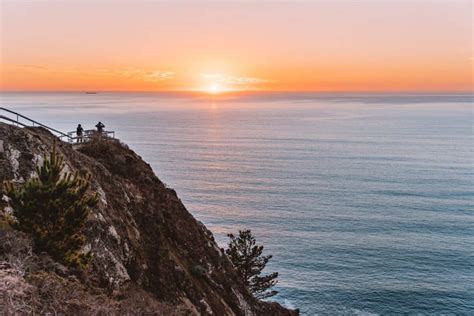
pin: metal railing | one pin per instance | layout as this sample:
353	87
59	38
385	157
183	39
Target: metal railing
14	122
18	119
89	135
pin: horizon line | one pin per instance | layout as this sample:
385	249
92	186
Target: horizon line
230	92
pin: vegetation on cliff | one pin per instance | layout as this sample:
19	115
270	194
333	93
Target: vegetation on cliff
246	255
53	207
150	255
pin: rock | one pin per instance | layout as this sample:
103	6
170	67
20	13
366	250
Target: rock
150	255
199	271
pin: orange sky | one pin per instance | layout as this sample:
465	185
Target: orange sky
237	45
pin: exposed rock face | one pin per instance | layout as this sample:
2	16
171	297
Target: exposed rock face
150	254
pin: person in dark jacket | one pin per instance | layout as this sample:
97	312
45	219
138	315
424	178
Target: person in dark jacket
100	127
79	131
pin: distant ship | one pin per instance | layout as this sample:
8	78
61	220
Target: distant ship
91	92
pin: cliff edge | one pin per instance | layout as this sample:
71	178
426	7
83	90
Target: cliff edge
150	255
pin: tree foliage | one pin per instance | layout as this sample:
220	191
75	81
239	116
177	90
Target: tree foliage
247	258
53	208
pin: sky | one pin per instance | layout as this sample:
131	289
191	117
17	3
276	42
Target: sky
357	45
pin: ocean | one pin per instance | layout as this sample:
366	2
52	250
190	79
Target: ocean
365	201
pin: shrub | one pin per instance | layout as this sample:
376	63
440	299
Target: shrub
53	208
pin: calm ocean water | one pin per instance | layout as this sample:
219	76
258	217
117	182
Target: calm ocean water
365	201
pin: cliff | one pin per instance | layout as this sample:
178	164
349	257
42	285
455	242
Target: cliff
150	255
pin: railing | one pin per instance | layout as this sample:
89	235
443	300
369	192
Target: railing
89	135
70	137
17	121
14	122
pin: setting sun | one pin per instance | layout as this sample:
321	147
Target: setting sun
214	89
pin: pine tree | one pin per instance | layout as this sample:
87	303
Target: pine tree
247	258
53	208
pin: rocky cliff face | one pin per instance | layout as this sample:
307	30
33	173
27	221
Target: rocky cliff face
150	255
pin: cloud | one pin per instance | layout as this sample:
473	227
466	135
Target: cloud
152	75
144	74
35	67
233	80
51	69
159	75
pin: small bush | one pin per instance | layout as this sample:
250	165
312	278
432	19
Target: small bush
53	208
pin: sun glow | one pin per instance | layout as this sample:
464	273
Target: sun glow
247	57
214	89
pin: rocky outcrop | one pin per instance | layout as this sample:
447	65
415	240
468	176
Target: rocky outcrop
150	255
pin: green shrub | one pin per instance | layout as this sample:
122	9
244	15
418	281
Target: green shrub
53	208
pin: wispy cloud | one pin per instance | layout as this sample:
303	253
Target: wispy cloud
144	74
128	72
35	67
159	75
233	80
51	69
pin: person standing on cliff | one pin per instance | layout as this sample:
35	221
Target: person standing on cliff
79	131
100	127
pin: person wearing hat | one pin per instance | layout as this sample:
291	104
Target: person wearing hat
100	127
